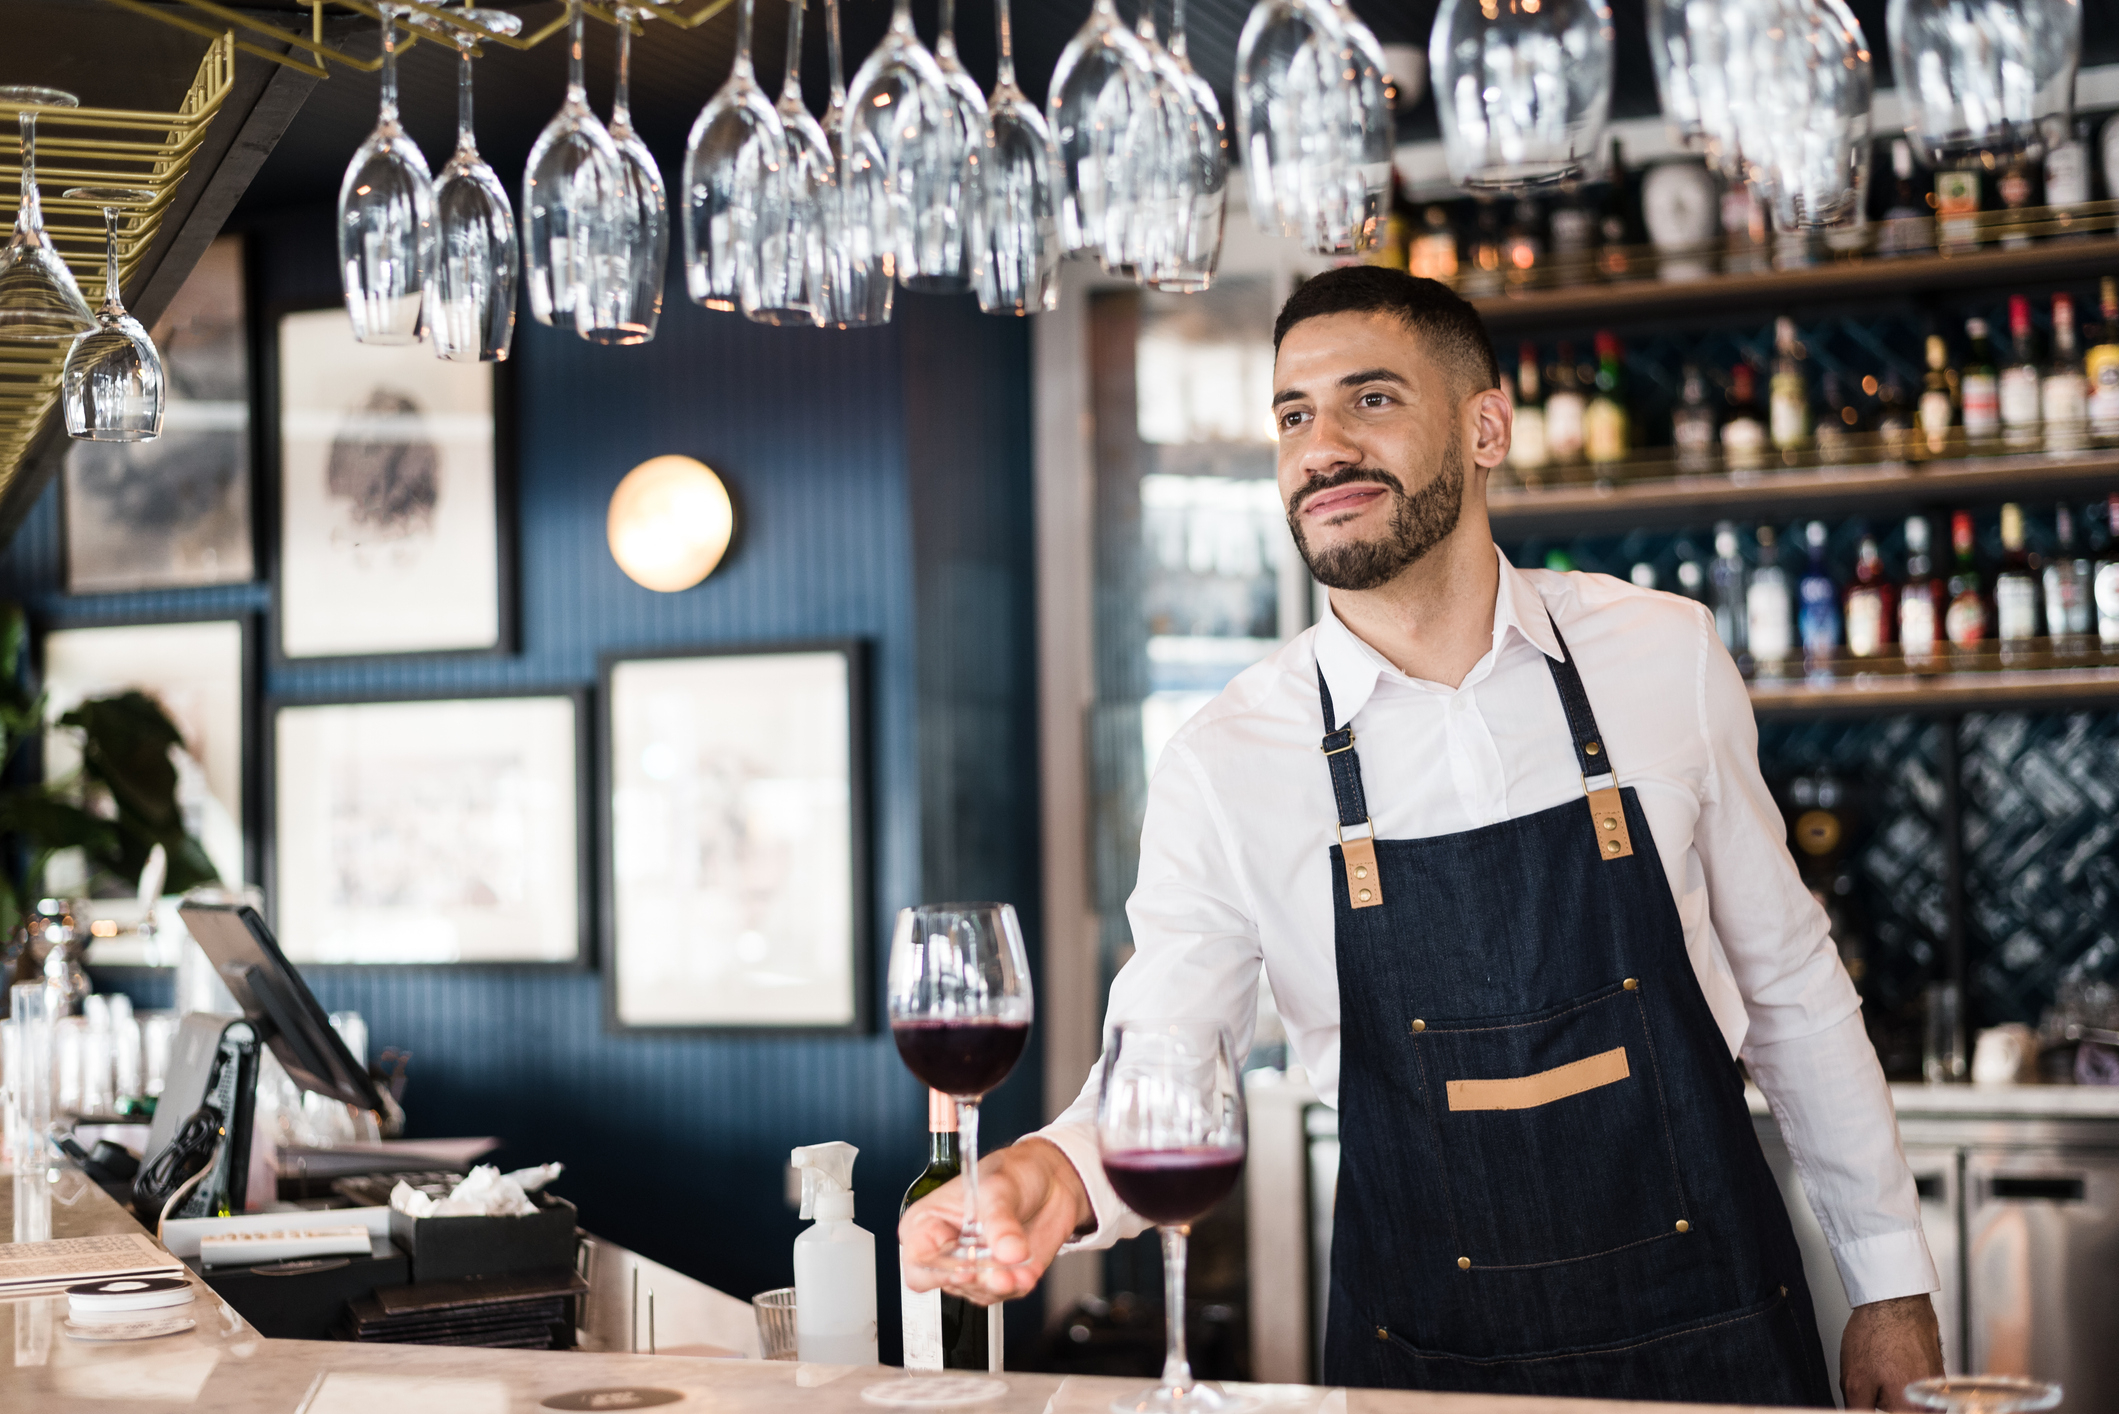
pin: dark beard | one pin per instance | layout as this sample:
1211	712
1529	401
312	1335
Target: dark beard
1419	522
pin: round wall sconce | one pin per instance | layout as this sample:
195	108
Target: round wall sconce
670	523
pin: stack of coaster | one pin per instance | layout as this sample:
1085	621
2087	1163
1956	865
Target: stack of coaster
128	1308
519	1311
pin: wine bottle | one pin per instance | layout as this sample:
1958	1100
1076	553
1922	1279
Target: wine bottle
941	1331
2105	586
1571	236
1788	402
1743	430
1817	615
1979	387
1564	405
2067	586
1920	602
1937	408
1908	224
1607	427
1894	421
2015	587
1838	421
1869	618
1692	424
2101	365
1484	275
1957	211
1769	611
2021	380
1726	588
2063	398
1616	234
1965	621
2067	174
1527	449
2013	186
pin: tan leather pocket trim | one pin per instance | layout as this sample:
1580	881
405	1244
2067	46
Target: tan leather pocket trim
1529	1091
1364	886
1607	811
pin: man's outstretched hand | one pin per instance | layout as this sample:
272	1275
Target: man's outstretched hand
1887	1346
1030	1202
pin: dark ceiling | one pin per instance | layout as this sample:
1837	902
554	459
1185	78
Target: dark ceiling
675	72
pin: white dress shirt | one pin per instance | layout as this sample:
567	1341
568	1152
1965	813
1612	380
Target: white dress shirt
1234	868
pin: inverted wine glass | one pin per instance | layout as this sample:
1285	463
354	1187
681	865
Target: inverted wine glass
1100	82
942	217
1983	1394
1193	251
791	255
573	200
1278	138
735	183
1989	80
1170	1129
626	301
40	301
860	249
1522	93
1015	232
112	386
1349	217
386	220
903	111
471	306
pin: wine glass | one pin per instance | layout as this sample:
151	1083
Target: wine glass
573	195
39	299
860	253
1194	250
1015	230
904	113
626	299
791	255
1522	94
1996	78
1803	121
1984	1394
735	183
471	308
113	386
946	254
960	1010
1170	1129
1275	37
1349	210
1156	150
386	219
1099	83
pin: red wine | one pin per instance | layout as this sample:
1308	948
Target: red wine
963	1058
1172	1186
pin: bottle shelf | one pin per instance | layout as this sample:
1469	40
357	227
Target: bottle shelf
1668	502
1892	689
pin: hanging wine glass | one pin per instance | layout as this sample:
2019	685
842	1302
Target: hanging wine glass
944	216
572	196
791	255
1157	150
1276	138
471	305
1522	93
1803	118
903	109
1690	46
1985	80
386	220
1102	79
735	184
1347	211
1015	232
860	248
1314	119
1197	249
39	299
627	298
113	386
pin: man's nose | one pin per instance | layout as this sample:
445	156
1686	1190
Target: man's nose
1329	448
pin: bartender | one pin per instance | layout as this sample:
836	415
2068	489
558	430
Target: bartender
1500	839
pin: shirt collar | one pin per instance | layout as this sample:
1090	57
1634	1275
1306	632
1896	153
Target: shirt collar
1351	667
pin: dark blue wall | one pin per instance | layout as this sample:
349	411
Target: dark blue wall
882	481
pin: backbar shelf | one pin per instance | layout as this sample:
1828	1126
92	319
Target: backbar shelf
2032	689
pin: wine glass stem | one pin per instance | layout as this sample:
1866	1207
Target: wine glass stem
112	305
29	214
622	98
945	37
967	1128
744	11
389	96
1001	27
465	141
577	86
791	85
1177	1370
838	63
1175	40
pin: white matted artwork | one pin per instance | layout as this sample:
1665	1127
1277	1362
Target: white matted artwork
735	861
389	508
430	831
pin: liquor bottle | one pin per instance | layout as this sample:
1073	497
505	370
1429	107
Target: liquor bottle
1789	399
1743	430
1769	611
2013	186
1564	406
1527	451
1522	247
1937	408
1838	421
941	1331
1617	232
1870	622
1908	224
1744	243
1920	602
2067	585
1817	613
1727	583
1692	426
1571	232
1433	255
2021	379
1484	275
1894	420
1956	211
1965	621
1978	386
2063	396
2015	586
1606	425
2105	585
2067	172
2101	365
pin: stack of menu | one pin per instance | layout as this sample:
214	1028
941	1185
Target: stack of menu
521	1311
48	1268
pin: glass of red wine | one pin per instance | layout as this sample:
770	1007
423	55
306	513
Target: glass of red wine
1170	1126
960	1009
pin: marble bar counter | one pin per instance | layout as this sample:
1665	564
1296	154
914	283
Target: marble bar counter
222	1366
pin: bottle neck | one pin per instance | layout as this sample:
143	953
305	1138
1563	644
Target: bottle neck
943	1151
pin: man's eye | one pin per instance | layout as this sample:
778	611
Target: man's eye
1290	419
1374	400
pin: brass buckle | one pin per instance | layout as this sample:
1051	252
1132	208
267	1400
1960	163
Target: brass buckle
1334	751
1340	830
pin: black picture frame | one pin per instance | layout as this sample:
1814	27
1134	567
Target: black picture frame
270	499
860	884
582	782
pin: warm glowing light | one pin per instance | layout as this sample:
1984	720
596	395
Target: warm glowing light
670	523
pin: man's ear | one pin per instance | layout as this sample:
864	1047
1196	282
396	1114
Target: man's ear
1489	422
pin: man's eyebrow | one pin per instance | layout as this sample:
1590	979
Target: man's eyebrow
1351	380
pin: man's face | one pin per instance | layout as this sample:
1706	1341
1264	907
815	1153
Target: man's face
1371	461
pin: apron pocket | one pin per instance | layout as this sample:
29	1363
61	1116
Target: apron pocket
1551	1127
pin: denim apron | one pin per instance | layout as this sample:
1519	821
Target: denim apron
1549	1183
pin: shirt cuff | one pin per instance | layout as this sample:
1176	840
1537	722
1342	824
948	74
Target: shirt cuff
1888	1265
1114	1220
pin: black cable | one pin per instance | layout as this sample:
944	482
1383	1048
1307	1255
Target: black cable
189	1150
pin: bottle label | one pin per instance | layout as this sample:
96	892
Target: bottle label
1692	429
1982	405
1865	622
1526	445
2015	608
923	1323
1818	620
2066	610
2019	397
1789	411
1935	414
1573	229
1916	626
1604	431
1743	441
1957	201
2103	371
2062	399
1563	426
1768	621
1966	621
2067	174
2107	595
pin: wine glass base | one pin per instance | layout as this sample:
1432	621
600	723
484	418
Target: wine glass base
1194	1398
1983	1394
935	1391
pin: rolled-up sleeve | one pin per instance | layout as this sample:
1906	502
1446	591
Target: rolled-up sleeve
1196	956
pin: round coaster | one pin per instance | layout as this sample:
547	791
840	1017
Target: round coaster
618	1397
128	1330
934	1392
129	1294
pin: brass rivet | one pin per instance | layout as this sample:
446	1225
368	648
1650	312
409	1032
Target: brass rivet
1591	748
1382	1334
1611	822
1365	895
1611	846
1784	1291
1361	871
1684	1226
1464	1264
1419	1025
1630	985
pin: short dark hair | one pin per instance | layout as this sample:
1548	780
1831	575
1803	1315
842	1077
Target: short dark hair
1429	308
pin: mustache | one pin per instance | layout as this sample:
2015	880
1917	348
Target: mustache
1345	477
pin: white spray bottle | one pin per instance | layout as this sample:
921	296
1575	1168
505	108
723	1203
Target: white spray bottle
835	1263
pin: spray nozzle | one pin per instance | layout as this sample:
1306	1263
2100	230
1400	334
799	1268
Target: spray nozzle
827	1179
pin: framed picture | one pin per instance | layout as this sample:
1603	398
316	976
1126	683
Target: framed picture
736	854
203	673
430	830
393	509
175	512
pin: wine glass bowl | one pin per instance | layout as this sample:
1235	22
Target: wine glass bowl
903	116
386	233
859	279
735	183
627	303
1194	249
1015	228
40	301
946	252
113	387
573	190
471	306
1983	1394
1522	93
791	256
1100	82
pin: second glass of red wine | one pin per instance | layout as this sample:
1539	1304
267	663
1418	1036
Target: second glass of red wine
1170	1127
960	1009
